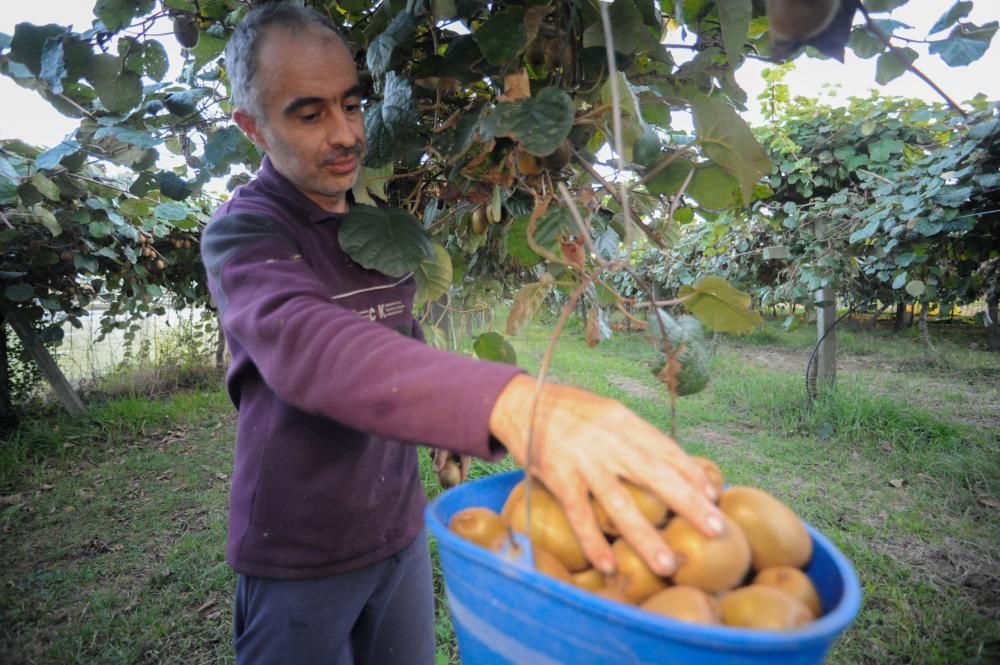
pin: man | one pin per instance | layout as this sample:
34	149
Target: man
326	527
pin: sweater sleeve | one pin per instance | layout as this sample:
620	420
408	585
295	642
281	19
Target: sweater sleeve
324	359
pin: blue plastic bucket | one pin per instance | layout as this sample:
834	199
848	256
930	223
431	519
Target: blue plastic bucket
505	613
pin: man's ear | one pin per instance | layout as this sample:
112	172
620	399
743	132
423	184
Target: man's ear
248	124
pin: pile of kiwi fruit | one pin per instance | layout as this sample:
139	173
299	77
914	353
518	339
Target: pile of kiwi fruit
751	576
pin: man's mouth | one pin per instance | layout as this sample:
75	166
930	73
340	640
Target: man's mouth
342	165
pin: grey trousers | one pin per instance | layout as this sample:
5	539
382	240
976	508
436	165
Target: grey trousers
382	614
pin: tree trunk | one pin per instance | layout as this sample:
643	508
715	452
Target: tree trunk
50	370
925	335
900	321
993	330
872	322
6	405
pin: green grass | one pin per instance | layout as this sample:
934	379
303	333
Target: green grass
113	527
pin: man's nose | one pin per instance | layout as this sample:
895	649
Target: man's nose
342	130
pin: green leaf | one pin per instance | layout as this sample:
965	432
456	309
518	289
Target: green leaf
19	292
527	302
134	208
900	280
224	147
734	18
958	10
45	217
208	48
884	5
493	346
714	188
137	137
50	159
540	123
184	103
118	90
883	149
719	306
628	29
893	64
154	60
954	197
117	14
433	276
502	35
391	124
49	189
727	140
170	212
669	180
547	232
29	41
867	231
53	67
389	241
864	44
387	47
965	44
916	288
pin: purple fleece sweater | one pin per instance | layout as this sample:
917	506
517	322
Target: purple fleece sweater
332	390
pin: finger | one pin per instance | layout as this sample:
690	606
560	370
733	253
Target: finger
670	451
633	525
440	458
576	504
464	463
684	499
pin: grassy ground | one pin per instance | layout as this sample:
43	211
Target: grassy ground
113	529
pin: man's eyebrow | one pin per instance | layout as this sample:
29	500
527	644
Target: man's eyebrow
295	105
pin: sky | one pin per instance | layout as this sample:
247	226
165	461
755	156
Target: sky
27	116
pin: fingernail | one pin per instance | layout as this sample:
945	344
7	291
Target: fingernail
606	566
712	493
665	562
716	524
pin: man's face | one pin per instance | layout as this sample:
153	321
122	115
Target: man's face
312	127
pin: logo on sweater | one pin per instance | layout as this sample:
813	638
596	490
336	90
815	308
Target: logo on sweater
382	310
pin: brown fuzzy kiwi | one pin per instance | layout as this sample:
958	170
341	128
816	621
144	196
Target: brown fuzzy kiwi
590	579
481	526
450	474
548	564
550	528
795	583
558	158
479	222
186	31
711	564
799	20
515	495
528	164
684	603
615	594
651	507
776	535
632	576
763	607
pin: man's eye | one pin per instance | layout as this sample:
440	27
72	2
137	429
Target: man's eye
309	117
353	108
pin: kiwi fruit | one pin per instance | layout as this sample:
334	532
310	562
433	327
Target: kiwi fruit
549	528
776	535
763	607
515	495
186	31
547	564
684	603
632	576
481	526
794	582
450	474
558	158
479	222
710	564
615	594
534	54
800	20
651	507
590	579
712	470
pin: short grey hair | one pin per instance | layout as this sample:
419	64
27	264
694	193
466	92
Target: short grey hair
244	44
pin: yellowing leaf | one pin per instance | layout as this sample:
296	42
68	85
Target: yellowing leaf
526	304
720	306
433	276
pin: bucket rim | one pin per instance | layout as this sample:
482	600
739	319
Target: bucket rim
821	631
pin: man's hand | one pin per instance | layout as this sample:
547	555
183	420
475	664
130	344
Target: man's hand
584	444
440	458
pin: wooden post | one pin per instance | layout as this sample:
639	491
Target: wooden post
60	385
826	316
6	403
